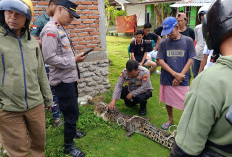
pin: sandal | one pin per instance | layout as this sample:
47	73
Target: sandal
166	126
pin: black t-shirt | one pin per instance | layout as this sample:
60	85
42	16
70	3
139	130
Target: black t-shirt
139	50
189	32
151	36
158	30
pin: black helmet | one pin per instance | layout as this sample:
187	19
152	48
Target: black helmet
217	23
23	7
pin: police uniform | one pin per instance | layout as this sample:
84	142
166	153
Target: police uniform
58	52
140	88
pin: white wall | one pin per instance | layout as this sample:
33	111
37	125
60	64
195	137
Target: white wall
139	10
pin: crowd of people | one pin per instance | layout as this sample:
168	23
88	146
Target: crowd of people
29	57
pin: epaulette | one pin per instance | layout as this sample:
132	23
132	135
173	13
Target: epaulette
58	25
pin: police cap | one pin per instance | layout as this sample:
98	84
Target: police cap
70	6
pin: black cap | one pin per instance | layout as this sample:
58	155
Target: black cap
70	6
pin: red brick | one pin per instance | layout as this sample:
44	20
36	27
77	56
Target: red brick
77	3
91	46
79	47
96	12
84	17
89	30
95	42
33	19
87	12
72	35
81	26
34	3
81	8
97	49
94	33
69	27
83	43
75	22
88	21
94	25
99	45
77	39
92	8
83	34
96	21
82	50
74	44
38	8
40	13
75	31
94	17
43	3
96	3
78	12
86	3
90	38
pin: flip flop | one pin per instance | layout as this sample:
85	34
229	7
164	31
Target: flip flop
58	123
165	126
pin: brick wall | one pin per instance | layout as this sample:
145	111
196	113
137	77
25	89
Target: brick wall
84	32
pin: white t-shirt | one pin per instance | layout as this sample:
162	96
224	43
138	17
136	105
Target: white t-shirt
208	52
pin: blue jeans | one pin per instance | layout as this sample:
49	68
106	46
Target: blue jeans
55	108
195	67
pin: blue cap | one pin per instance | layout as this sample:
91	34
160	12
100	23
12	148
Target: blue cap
168	25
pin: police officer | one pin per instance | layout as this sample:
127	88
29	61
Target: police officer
59	53
203	129
137	87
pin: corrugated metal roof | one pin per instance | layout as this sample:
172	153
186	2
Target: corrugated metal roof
184	3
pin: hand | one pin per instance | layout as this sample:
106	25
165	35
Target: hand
80	58
141	64
129	96
179	76
49	108
111	105
175	82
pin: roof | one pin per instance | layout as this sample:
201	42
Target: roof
184	3
131	2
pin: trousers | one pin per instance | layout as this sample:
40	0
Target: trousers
141	98
67	94
19	128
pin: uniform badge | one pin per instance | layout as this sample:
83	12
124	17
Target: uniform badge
121	74
138	77
142	49
144	78
60	32
62	36
51	34
67	47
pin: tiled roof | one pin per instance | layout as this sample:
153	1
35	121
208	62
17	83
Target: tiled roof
184	3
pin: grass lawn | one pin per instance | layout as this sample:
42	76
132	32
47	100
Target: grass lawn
105	139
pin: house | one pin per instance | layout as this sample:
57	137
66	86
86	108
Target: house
144	10
190	8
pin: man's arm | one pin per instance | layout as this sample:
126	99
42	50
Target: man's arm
132	55
43	80
179	76
187	66
49	48
157	43
203	63
117	91
144	57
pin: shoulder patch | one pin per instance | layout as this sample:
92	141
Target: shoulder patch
121	74
144	78
34	27
62	36
51	34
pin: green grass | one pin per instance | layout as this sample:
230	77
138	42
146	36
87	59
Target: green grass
105	139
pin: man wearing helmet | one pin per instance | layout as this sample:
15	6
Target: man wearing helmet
59	53
200	41
203	129
24	89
